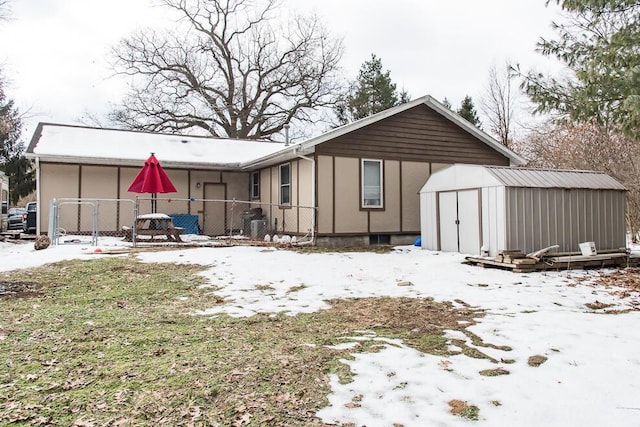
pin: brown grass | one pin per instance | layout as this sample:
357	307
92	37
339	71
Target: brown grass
536	360
462	409
112	341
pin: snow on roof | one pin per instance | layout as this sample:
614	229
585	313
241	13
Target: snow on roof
79	144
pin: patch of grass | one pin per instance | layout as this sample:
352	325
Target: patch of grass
476	340
296	288
476	354
463	409
378	249
536	360
494	372
597	305
112	341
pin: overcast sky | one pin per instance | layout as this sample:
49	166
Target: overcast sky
55	52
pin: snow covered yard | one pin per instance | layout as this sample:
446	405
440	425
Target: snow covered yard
591	355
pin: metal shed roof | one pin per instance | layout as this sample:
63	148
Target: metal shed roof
552	178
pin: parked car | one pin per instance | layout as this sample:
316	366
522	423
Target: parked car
29	218
15	218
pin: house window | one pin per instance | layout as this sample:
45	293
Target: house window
255	185
371	183
285	184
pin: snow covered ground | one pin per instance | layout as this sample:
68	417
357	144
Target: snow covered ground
589	379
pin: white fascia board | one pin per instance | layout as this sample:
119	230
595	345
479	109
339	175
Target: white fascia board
167	164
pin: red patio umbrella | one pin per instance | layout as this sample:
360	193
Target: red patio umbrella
152	179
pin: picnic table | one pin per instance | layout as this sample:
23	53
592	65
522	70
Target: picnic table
154	224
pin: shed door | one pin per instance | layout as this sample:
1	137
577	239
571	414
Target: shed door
448	214
459	217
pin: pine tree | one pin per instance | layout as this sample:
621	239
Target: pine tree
600	44
372	92
468	111
12	160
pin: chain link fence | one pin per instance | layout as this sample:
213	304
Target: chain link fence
239	219
85	220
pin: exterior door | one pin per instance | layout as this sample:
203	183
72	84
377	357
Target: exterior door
448	214
469	222
214	217
459	221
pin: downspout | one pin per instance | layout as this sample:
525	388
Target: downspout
38	210
313	193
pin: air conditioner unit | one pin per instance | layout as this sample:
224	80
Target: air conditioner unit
258	229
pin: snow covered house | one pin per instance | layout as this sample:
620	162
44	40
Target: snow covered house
363	177
479	210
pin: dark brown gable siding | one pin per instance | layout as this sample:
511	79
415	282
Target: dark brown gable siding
418	134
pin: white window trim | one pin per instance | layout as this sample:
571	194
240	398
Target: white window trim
253	186
281	185
362	204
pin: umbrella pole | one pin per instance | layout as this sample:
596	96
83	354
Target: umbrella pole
154	203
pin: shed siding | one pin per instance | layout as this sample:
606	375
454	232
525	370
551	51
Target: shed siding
493	230
537	218
429	221
417	134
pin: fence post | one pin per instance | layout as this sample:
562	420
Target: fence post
94	231
133	226
233	205
53	222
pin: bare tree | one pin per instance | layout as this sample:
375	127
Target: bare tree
234	72
4	9
498	104
587	145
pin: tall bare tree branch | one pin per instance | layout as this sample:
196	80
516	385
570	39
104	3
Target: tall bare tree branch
498	104
232	72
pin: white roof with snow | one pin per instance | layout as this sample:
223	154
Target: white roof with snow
77	144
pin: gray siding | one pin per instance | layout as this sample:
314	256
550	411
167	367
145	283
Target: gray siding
538	217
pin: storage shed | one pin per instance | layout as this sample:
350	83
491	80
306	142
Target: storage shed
480	210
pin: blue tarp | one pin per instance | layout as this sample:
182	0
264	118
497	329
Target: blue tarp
188	222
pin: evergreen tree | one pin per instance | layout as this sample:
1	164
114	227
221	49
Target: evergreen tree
468	111
372	92
600	44
12	160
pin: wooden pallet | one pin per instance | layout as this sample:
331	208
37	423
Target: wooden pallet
558	262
